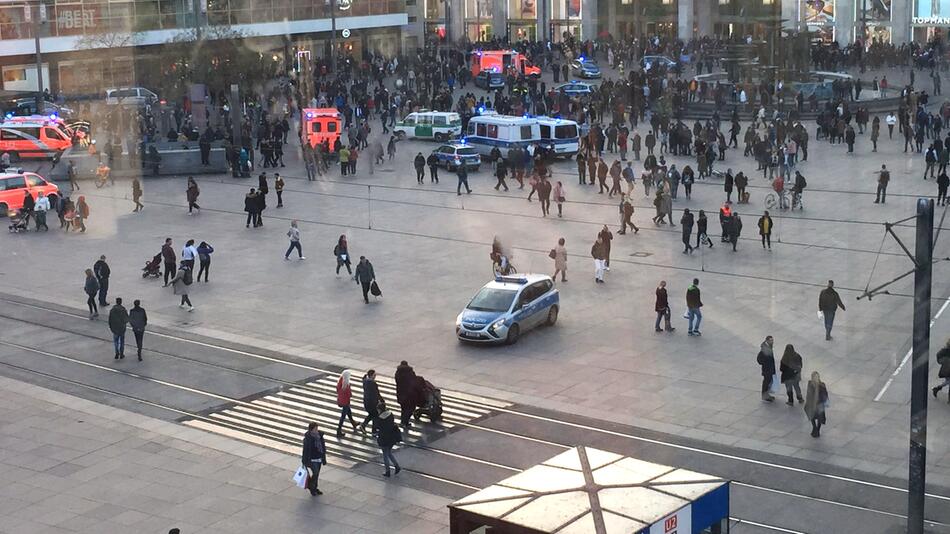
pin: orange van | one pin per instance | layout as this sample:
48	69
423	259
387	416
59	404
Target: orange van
319	125
32	139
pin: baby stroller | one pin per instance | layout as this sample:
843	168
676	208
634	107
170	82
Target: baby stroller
19	221
432	401
152	267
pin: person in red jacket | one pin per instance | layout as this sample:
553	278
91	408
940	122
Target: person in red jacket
343	394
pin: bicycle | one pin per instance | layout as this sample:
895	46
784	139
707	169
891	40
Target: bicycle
797	201
773	199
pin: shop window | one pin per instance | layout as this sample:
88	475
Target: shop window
14	75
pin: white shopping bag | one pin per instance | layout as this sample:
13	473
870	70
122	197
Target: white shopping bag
776	386
821	315
300	477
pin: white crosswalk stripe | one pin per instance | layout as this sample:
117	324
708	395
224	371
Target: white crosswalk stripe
279	420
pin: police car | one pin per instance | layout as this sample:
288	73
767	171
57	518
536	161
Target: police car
575	88
647	62
585	68
453	155
507	307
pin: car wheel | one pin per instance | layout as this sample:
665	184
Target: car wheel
552	315
440	137
4	210
513	334
401	135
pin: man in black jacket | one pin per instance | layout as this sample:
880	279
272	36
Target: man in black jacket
314	456
828	303
419	162
405	382
137	320
102	272
169	259
433	163
118	321
364	276
766	360
370	400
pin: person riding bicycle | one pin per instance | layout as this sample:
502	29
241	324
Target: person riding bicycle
778	184
798	189
499	257
103	174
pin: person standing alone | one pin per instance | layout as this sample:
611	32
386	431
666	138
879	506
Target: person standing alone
765	229
91	287
101	268
694	302
118	322
766	361
138	319
828	303
816	401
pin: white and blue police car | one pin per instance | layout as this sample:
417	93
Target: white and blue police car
575	88
454	155
507	307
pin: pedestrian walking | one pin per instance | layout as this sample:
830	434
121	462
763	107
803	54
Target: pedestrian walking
279	189
735	229
544	195
420	164
294	234
816	403
102	270
365	275
204	260
828	303
389	436
883	178
765	229
91	287
313	457
191	193
702	225
72	174
80	214
344	392
433	162
766	361
943	181
40	210
790	368
694	315
138	320
662	308
405	392
559	198
169	259
251	207
342	253
371	400
559	255
626	214
598	252
943	359
606	235
462	173
501	172
118	322
686	224
180	284
136	194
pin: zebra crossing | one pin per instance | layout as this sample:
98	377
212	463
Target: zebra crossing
279	420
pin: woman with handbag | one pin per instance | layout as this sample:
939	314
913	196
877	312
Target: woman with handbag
313	457
559	255
559	197
342	254
816	402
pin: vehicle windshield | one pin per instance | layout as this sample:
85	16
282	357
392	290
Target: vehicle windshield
492	300
468	151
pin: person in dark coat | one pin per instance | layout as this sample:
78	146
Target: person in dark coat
766	360
662	308
250	206
91	287
735	229
943	359
118	322
313	457
371	400
727	186
816	401
365	276
405	392
170	259
828	303
137	320
389	436
191	194
420	164
102	271
765	229
433	162
686	223
791	374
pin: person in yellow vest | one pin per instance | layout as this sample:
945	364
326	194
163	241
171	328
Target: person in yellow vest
765	229
344	160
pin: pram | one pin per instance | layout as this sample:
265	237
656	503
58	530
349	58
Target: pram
432	398
19	221
153	267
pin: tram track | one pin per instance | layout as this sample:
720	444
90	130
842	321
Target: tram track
297	396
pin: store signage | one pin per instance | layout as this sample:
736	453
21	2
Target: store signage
680	522
933	21
74	18
346	33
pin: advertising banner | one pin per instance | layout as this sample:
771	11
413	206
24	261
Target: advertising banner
573	9
877	11
820	11
529	9
932	12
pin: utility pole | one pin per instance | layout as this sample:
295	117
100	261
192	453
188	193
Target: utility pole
448	23
37	27
333	36
864	26
923	260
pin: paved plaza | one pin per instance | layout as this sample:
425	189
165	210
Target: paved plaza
430	250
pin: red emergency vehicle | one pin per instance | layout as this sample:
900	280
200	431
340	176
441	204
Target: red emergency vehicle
503	61
319	125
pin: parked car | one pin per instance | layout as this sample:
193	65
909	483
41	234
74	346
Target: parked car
585	68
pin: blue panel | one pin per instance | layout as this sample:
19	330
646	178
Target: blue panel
710	508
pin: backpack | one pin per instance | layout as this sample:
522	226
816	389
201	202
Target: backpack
187	278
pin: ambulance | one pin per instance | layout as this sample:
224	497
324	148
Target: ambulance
424	124
502	61
321	124
38	138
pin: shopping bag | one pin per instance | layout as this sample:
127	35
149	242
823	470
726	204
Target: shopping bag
374	289
776	386
686	314
821	315
300	477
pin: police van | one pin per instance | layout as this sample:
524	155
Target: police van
506	132
560	136
438	125
32	139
